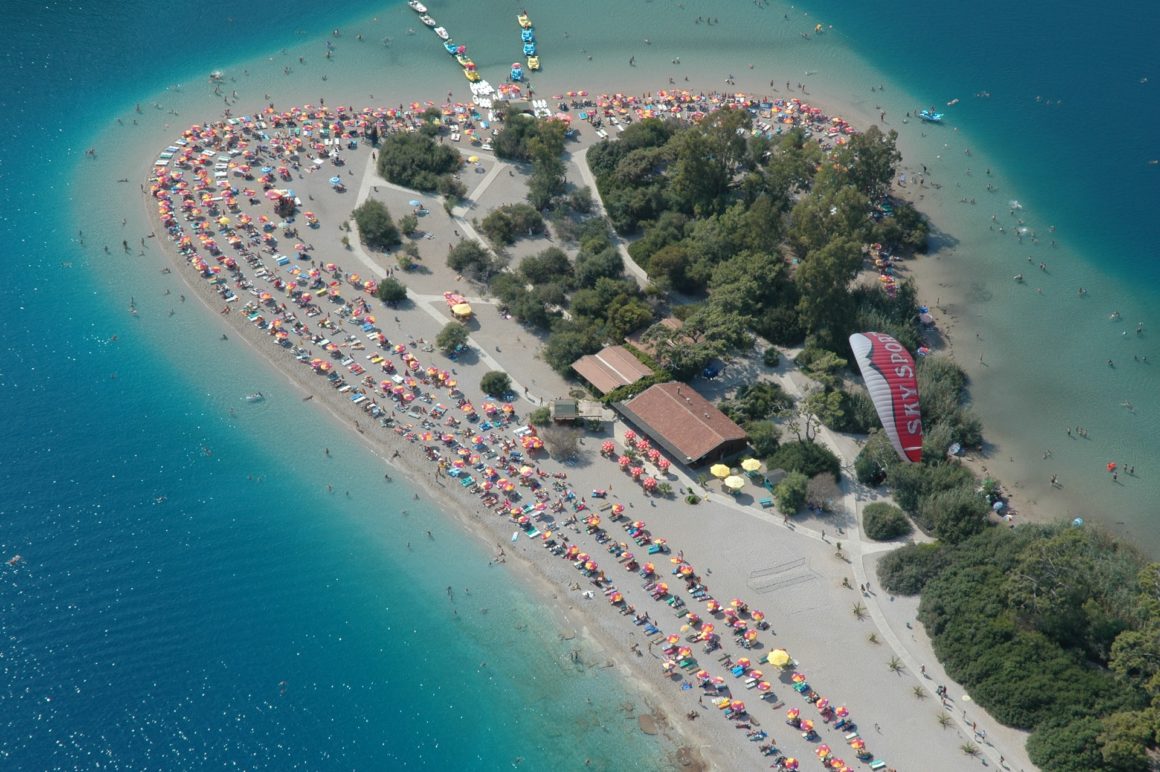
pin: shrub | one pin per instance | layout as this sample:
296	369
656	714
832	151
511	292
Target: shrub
884	522
375	226
771	357
907	569
791	492
391	291
452	337
541	416
408	224
809	458
495	383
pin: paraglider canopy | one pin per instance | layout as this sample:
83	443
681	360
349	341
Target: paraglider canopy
888	369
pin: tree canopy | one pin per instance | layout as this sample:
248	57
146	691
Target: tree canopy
375	226
415	160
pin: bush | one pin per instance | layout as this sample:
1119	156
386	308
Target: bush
791	492
408	224
809	458
771	357
451	338
392	291
907	569
375	226
495	383
884	522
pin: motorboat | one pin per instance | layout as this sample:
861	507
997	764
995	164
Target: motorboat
443	33
452	48
427	20
524	21
255	396
471	74
517	71
416	6
530	49
930	116
533	63
527	35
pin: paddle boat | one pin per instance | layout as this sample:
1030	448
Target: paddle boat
930	116
471	74
443	33
527	35
452	48
530	49
517	71
416	6
427	20
533	63
463	60
523	20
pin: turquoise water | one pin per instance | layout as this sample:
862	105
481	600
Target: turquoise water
192	596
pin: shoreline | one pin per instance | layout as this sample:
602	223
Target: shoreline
551	573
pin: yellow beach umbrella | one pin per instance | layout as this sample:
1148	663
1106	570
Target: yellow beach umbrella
720	471
778	658
734	482
473	159
751	465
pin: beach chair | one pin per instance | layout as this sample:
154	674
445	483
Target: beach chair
880	764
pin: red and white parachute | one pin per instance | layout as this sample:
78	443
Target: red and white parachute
888	369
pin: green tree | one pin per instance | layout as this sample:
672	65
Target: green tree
790	493
415	160
392	291
809	458
375	226
451	337
823	281
551	265
408	224
495	383
763	437
471	259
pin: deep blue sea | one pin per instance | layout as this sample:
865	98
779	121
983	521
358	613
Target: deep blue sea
190	596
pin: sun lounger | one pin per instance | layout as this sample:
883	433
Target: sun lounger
877	764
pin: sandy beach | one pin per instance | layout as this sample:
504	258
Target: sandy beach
791	570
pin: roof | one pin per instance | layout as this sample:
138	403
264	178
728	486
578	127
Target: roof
611	367
682	421
564	409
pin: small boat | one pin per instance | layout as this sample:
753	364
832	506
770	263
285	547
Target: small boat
256	396
471	74
530	49
427	20
523	20
517	71
452	48
533	63
463	60
416	6
443	33
930	116
527	35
